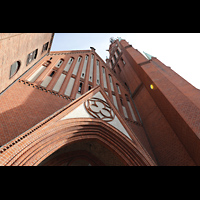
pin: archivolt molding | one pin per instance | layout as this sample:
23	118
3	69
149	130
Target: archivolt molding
37	146
70	157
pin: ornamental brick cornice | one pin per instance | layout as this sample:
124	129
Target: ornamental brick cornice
44	89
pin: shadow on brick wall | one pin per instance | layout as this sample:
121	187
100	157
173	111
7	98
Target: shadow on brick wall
22	107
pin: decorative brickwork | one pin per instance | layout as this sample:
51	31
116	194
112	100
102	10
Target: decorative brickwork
94	107
36	144
71	108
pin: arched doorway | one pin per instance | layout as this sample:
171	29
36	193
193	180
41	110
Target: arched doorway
86	152
71	139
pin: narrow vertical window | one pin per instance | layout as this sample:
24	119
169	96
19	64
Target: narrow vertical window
77	66
91	68
123	61
119	49
130	107
70	61
110	78
97	71
59	63
47	80
111	84
104	77
118	52
118	89
121	100
123	108
84	67
80	87
67	67
115	57
69	87
59	83
115	101
111	62
37	73
52	73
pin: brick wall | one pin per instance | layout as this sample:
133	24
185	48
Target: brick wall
165	144
23	106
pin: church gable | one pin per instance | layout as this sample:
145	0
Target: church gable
98	107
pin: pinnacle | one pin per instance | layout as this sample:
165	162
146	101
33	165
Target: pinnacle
148	55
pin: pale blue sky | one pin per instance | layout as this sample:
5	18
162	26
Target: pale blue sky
83	41
180	51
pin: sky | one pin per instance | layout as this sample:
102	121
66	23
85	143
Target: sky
180	51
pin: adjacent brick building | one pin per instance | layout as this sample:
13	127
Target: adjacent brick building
72	108
19	52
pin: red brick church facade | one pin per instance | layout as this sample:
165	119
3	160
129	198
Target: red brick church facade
72	108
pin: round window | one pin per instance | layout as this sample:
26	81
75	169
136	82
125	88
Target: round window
14	68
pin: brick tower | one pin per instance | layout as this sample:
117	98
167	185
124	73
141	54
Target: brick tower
72	108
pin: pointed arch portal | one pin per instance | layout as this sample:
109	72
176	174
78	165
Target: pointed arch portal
77	142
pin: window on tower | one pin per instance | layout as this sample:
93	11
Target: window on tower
127	99
103	70
111	84
111	62
110	78
118	89
118	52
115	58
121	100
123	61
